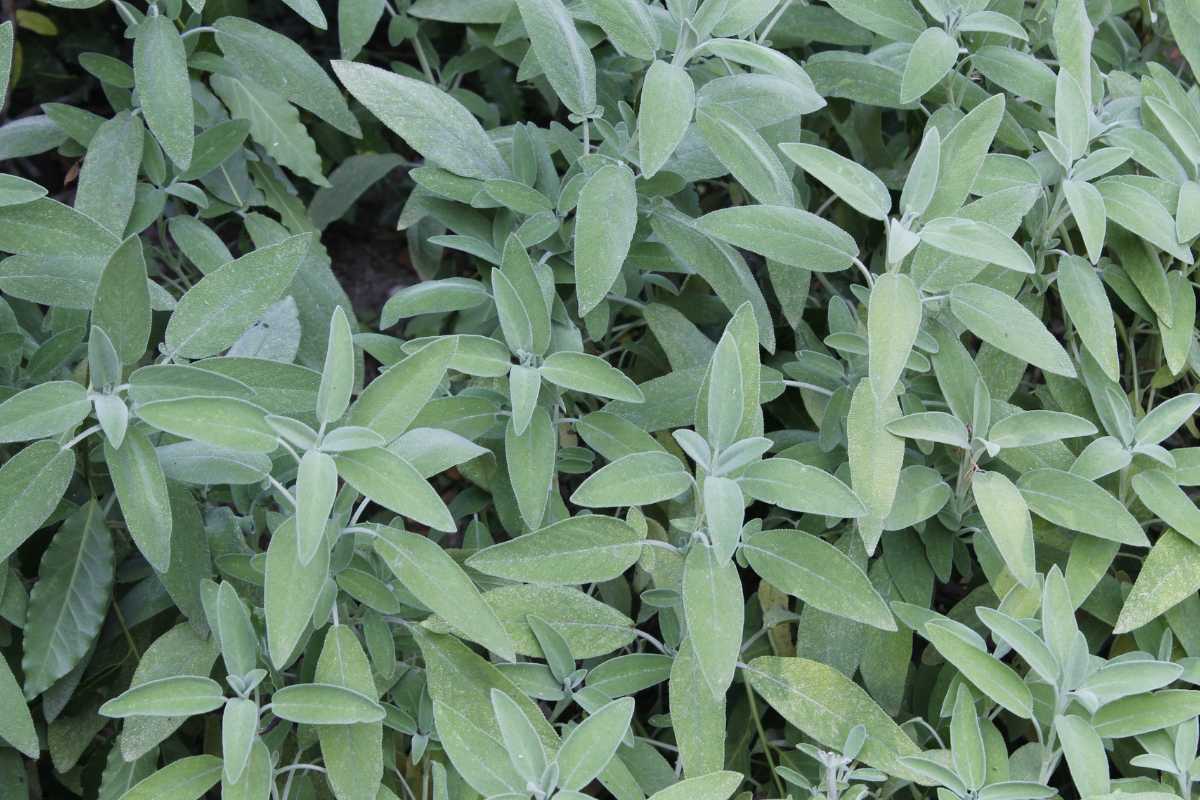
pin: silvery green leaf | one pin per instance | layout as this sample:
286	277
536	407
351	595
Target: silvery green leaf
587	749
394	483
584	549
1087	206
746	154
442	586
893	321
1079	504
1004	323
800	487
634	480
1170	503
712	605
973	239
724	515
1008	522
176	696
787	235
932	426
1082	293
1027	428
933	54
990	675
141	488
292	591
591	375
605	221
856	185
435	124
530	459
667	102
161	74
818	573
563	54
630	26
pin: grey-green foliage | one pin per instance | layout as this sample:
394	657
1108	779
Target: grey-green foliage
793	399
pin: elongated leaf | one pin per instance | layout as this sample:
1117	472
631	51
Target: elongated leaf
439	583
893	321
69	600
826	705
31	485
394	483
712	605
584	549
142	489
990	675
605	222
860	188
186	779
324	704
1008	521
160	73
177	696
562	53
435	124
815	571
1004	323
668	100
787	235
292	591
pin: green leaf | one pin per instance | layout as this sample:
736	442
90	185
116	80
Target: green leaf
15	190
277	63
787	235
988	674
933	55
630	26
337	378
1168	576
746	154
441	585
932	426
712	606
962	154
876	457
725	398
1087	206
1166	418
1141	213
219	421
713	786
1171	504
274	123
588	749
966	741
561	52
239	642
316	490
324	704
1143	713
1087	305
292	590
1085	755
637	479
69	600
216	311
239	724
893	322
6	59
108	177
161	74
176	696
1079	504
664	113
392	401
460	684
432	122
188	778
1177	337
979	240
1008	522
591	375
827	705
43	410
353	754
16	723
1028	428
819	574
31	485
800	487
141	488
856	185
530	458
605	221
122	303
394	483
1007	325
583	549
432	297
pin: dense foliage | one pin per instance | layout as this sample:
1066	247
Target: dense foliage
783	399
